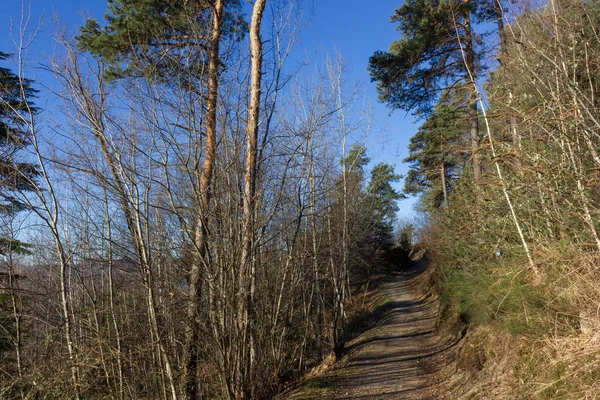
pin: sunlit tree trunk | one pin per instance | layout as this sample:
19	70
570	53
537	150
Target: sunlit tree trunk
247	273
190	353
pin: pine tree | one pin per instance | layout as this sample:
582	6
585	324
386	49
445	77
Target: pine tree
383	203
16	175
158	38
436	53
373	207
356	161
435	157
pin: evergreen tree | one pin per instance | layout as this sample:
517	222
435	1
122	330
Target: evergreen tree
437	52
404	246
435	156
158	38
356	161
383	202
372	208
351	194
16	175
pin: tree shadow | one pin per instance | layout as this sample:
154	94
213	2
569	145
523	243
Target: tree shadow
395	351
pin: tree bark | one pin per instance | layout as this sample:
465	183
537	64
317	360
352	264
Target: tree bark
444	188
473	114
514	133
246	287
190	353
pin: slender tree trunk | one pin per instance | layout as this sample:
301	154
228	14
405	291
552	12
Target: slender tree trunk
315	250
514	133
190	352
66	309
49	213
444	188
16	309
246	298
111	299
337	305
473	114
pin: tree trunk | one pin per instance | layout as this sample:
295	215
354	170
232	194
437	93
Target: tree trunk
246	287
111	297
189	379
444	188
514	133
473	114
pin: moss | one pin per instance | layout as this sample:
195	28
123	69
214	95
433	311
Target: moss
317	383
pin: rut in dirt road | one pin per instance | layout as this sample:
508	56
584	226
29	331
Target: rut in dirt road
403	356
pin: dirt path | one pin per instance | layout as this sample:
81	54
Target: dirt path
402	357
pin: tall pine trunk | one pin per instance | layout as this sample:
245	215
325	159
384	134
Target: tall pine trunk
473	113
191	352
514	133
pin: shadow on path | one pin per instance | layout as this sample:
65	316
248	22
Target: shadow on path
402	357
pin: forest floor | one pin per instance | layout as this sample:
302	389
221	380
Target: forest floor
403	356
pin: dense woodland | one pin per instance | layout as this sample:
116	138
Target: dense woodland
192	214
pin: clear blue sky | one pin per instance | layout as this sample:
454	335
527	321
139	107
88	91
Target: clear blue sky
354	28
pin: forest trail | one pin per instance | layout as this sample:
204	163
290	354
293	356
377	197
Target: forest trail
403	356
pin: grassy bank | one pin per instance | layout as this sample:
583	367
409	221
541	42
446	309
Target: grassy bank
538	334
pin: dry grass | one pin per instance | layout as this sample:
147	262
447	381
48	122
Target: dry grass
564	363
558	355
527	338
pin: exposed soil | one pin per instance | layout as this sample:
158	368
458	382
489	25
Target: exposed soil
404	356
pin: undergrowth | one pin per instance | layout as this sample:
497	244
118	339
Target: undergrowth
552	321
